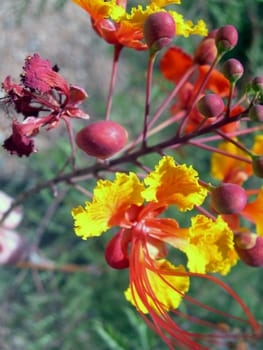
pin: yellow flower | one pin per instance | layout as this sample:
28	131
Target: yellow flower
156	285
114	24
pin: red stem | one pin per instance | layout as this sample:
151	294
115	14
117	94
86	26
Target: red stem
148	97
116	55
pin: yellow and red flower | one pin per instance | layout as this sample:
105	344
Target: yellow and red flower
156	285
115	25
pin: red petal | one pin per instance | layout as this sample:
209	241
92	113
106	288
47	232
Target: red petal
217	83
39	75
174	63
116	253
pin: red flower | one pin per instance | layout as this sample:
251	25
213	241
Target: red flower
174	64
42	91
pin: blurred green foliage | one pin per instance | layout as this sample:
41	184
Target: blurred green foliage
52	310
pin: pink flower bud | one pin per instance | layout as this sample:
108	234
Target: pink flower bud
102	139
12	247
256	113
232	70
249	247
226	38
257	165
211	105
228	198
257	84
205	52
159	30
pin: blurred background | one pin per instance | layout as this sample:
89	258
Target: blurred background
46	309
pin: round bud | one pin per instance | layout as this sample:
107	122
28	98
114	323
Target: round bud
158	30
226	38
211	105
257	165
249	247
228	198
257	84
205	52
232	70
102	139
256	113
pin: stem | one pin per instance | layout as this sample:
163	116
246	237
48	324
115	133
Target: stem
236	143
148	97
232	87
116	55
195	97
162	107
55	267
72	157
218	150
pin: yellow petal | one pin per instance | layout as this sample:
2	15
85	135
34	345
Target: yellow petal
167	289
186	28
223	166
258	145
174	184
210	246
110	202
98	8
162	3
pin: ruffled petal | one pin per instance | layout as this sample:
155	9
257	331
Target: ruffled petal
174	184
210	246
97	9
186	28
110	202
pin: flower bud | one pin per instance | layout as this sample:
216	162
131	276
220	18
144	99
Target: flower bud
159	30
256	113
249	247
12	247
102	139
228	198
205	52
211	105
232	70
226	38
257	165
257	84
